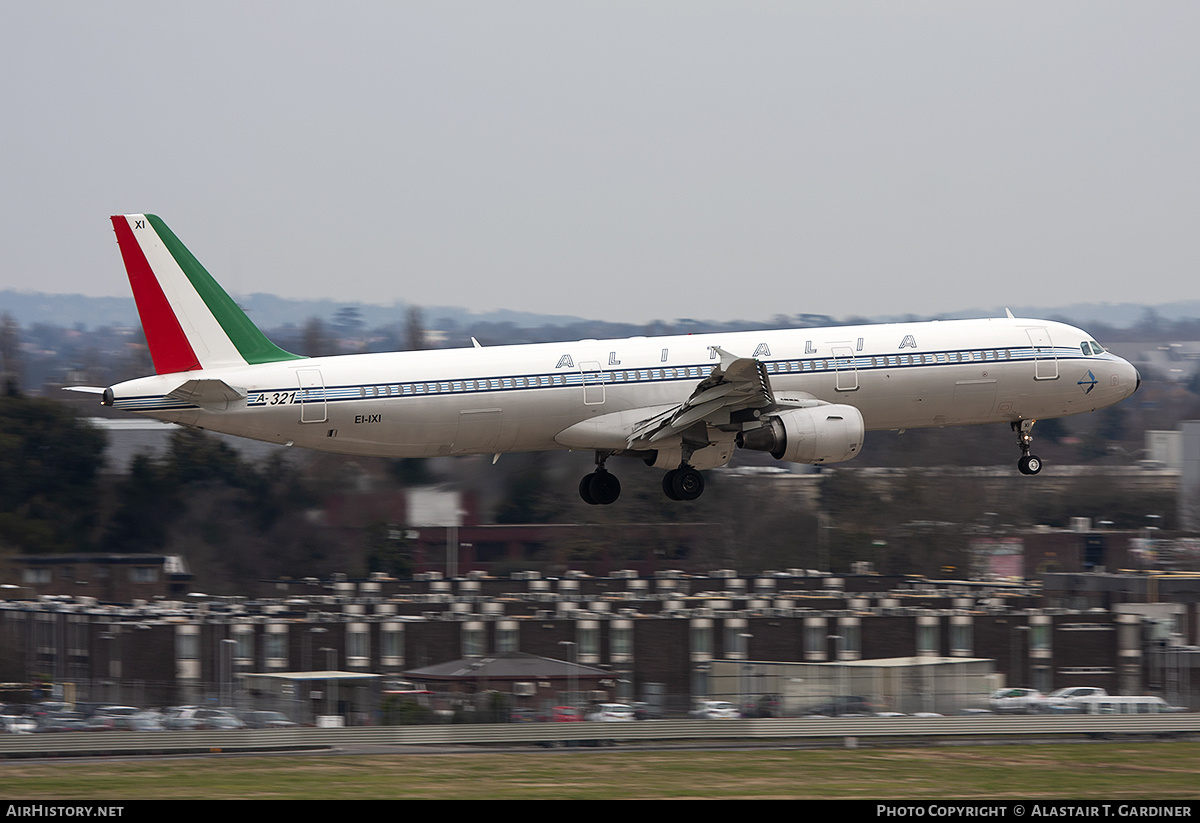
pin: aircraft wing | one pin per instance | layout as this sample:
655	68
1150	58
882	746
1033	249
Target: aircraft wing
737	384
735	393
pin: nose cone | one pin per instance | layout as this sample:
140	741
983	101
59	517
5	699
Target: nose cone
1129	378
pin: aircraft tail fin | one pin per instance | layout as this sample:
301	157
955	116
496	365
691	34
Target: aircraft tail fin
190	321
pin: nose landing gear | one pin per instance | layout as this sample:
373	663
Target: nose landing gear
1029	463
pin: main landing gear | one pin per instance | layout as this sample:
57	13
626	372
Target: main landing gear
601	488
683	483
1029	463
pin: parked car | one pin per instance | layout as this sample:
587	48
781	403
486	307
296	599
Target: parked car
17	724
116	711
566	714
767	705
1016	701
194	717
62	721
267	720
646	711
140	722
609	712
716	710
1068	700
1143	704
841	706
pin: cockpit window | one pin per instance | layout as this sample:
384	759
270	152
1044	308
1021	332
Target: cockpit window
1097	348
1091	347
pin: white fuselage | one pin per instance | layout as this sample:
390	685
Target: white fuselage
521	398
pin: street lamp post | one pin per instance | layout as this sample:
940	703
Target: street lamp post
571	673
227	647
744	648
330	683
838	641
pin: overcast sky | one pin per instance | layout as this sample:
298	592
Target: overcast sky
614	160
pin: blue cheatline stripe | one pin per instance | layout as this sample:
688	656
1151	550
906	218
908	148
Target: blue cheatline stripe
612	377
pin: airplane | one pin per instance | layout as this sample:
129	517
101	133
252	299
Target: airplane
680	403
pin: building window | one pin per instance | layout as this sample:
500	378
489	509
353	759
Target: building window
701	638
187	646
736	641
962	641
473	640
508	638
358	645
1039	637
245	646
143	574
587	635
392	642
276	645
851	642
620	641
927	639
35	577
814	640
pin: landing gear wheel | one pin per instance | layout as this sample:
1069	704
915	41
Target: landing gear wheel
669	484
599	488
604	488
687	483
585	489
1030	464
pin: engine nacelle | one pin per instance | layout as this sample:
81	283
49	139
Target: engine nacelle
821	434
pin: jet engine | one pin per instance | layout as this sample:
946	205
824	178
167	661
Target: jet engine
821	434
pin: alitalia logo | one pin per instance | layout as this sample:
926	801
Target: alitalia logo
1088	380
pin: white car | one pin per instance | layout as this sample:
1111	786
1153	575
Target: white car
1070	699
17	724
1016	701
716	710
612	712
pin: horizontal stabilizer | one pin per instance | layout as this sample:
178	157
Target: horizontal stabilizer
215	395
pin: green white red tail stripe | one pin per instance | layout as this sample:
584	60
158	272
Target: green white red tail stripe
189	320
